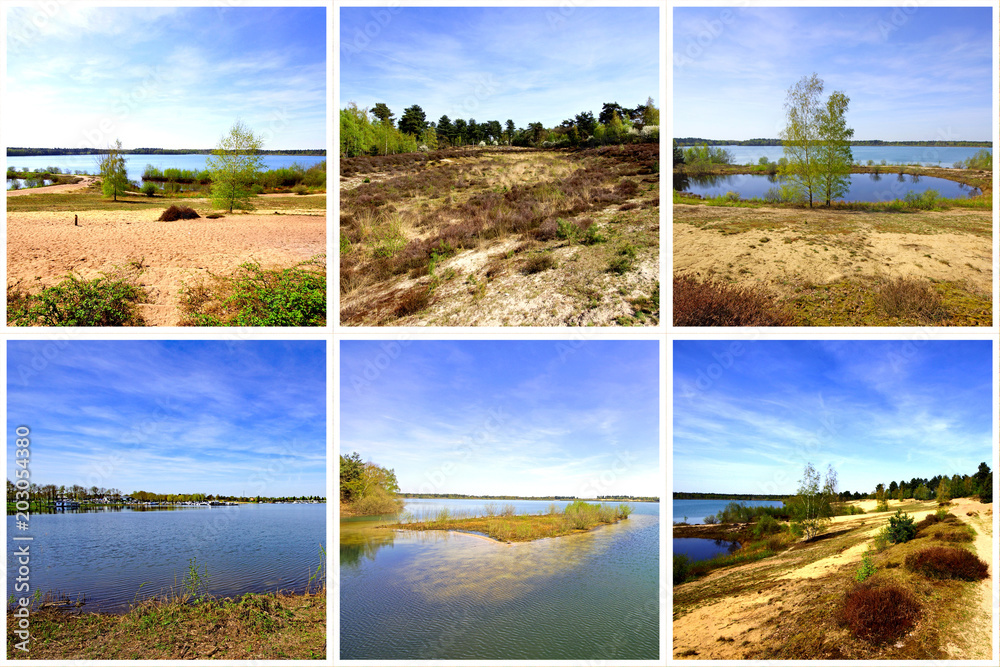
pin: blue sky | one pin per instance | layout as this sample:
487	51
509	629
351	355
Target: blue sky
911	73
166	77
220	417
876	410
505	417
529	64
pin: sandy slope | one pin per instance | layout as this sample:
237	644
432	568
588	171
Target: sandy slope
42	247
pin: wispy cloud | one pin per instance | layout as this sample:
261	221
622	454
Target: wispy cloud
876	410
528	64
911	73
174	417
506	417
164	76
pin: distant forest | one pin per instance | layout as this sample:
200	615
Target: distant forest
698	141
462	495
18	152
956	486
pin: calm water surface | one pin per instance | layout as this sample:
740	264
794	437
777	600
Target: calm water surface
136	164
944	156
864	187
110	556
695	510
700	548
438	595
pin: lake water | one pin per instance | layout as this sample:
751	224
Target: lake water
695	510
944	156
136	164
864	187
699	548
113	555
408	595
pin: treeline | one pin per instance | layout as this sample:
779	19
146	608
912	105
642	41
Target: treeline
375	131
689	495
696	141
941	487
464	496
52	492
18	152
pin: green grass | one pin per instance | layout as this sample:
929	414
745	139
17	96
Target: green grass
502	524
109	301
257	297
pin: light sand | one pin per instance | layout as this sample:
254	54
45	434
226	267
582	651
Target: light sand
796	250
42	247
746	614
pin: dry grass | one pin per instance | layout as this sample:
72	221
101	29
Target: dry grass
252	627
175	212
712	304
413	221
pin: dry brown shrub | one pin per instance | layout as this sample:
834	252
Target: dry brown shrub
178	213
910	298
947	563
879	613
711	304
538	263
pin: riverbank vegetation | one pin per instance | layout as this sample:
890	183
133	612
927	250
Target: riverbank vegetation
187	623
502	524
366	488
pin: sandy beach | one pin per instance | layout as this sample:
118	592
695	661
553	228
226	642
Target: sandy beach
42	247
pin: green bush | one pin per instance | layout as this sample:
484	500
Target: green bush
257	297
682	567
867	567
149	189
901	528
109	301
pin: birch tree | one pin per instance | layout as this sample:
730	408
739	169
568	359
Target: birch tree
834	151
233	166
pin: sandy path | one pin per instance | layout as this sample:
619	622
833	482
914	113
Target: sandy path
42	247
83	184
981	520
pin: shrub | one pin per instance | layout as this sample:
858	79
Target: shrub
178	213
538	263
766	526
879	613
947	563
711	304
300	189
901	528
881	541
149	189
710	519
910	298
109	301
623	261
867	567
682	567
796	529
253	296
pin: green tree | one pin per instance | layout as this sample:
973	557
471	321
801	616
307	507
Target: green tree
944	491
586	122
880	499
984	483
537	131
233	166
800	137
351	468
510	130
813	505
383	113
922	492
114	177
413	121
834	151
650	114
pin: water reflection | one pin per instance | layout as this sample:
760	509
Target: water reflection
869	187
